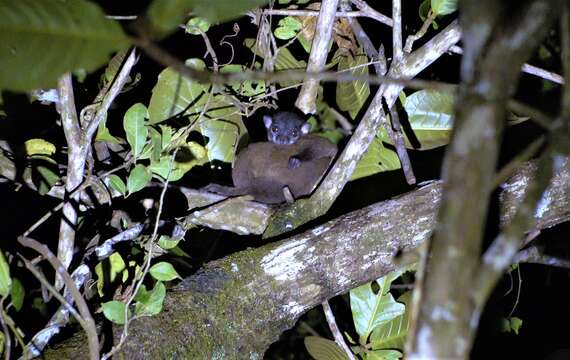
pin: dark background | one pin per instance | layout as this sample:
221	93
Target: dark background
543	304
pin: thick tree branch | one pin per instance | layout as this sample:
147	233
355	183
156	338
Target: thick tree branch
496	46
237	306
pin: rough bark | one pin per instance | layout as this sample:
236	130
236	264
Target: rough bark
236	307
497	41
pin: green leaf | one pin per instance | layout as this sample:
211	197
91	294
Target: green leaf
166	132
139	177
39	304
223	133
69	35
165	167
17	294
383	355
150	303
247	87
44	175
114	265
377	158
324	349
133	123
351	96
114	66
199	23
114	311
39	147
163	271
167	14
370	310
287	28
511	324
392	334
155	143
167	243
443	7
430	113
5	279
175	95
117	184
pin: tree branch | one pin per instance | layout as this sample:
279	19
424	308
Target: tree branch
261	292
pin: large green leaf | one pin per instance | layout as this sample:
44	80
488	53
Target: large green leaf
163	271
41	40
392	334
149	303
135	129
430	113
383	355
443	7
377	158
167	14
351	95
115	311
224	130
370	309
139	177
5	278
324	349
175	95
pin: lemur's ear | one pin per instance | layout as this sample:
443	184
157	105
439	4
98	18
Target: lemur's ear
267	120
305	128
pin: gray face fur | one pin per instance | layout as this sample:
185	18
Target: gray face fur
285	128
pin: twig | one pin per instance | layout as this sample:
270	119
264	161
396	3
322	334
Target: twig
421	32
335	331
527	68
86	320
394	131
534	255
347	14
60	318
146	266
163	57
7	339
536	115
370	12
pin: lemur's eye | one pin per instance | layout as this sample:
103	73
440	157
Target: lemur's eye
274	129
294	132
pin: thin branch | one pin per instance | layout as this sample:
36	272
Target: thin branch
7	339
565	45
146	266
536	115
335	331
370	12
398	53
86	319
306	99
166	59
527	68
421	32
535	255
394	131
